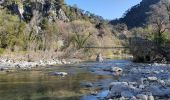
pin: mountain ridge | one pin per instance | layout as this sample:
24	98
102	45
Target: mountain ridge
138	15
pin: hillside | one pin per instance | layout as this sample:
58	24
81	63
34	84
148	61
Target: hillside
139	14
51	25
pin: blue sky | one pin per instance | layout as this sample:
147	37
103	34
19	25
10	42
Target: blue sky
108	9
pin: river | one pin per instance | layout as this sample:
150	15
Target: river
85	81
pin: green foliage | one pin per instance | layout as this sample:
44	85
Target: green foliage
1	51
162	39
12	31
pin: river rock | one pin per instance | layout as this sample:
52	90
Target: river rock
127	94
167	83
152	78
99	58
87	84
150	97
116	88
122	98
63	61
58	73
162	82
159	91
116	69
133	98
142	97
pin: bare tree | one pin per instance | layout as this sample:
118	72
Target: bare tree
159	19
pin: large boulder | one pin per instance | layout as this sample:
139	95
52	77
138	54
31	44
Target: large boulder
99	58
118	89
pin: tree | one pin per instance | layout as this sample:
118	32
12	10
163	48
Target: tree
159	19
12	31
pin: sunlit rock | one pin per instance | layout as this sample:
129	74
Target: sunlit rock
99	58
142	97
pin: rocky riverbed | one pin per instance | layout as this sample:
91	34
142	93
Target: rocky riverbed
109	80
136	82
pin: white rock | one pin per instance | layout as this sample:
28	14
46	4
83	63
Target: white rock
63	61
152	78
59	73
141	86
142	97
122	98
133	98
116	69
99	58
162	82
150	97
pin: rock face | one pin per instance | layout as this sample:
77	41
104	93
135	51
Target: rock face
99	58
43	7
61	15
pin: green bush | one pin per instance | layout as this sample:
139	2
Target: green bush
162	39
1	51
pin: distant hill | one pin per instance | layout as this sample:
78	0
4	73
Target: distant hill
137	16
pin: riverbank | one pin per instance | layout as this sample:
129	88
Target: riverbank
30	60
102	81
137	81
39	59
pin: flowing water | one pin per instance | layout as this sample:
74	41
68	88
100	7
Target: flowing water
39	85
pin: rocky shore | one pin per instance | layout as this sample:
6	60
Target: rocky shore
136	81
141	82
7	64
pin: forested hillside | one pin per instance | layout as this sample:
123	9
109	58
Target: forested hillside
138	15
148	19
51	25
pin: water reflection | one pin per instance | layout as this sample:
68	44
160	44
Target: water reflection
38	85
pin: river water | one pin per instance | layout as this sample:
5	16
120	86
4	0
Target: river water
39	85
